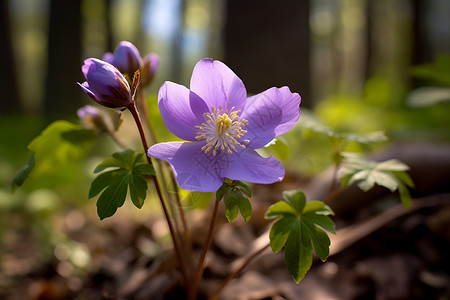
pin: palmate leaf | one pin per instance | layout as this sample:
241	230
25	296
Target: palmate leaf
300	229
128	174
235	195
55	155
391	174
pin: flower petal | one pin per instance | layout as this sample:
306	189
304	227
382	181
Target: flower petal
217	84
248	165
269	114
181	110
87	90
194	170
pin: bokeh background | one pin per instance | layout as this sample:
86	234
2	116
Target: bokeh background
359	65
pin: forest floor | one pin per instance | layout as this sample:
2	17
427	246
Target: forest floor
380	251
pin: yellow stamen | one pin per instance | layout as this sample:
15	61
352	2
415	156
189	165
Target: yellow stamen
222	131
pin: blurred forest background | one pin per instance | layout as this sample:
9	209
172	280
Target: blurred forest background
354	62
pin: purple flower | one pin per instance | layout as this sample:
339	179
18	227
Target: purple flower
92	118
150	64
105	84
222	128
126	58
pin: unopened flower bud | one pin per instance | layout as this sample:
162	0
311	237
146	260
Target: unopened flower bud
126	58
92	118
150	65
105	84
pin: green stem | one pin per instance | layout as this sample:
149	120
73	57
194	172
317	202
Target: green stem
133	110
192	295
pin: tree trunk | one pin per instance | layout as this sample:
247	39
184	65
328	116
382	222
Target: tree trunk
10	102
267	44
63	95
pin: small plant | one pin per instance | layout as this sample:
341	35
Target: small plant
221	130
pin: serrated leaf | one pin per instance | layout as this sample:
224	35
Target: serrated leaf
299	228
390	174
281	208
110	162
295	199
128	174
280	232
143	169
235	202
100	183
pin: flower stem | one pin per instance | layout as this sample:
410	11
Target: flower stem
133	110
185	239
143	108
237	271
201	264
142	105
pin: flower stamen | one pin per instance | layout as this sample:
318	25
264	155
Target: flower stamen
222	131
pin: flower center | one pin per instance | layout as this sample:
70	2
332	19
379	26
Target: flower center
222	130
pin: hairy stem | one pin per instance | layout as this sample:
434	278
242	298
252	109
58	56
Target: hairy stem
201	264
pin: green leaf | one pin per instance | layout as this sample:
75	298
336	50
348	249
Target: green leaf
280	231
312	122
138	189
112	197
404	178
56	155
243	187
297	255
222	191
390	174
300	227
236	201
405	197
100	183
428	96
22	174
438	71
128	174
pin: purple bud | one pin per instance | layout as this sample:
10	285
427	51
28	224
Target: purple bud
87	111
150	65
105	84
127	58
108	57
92	118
